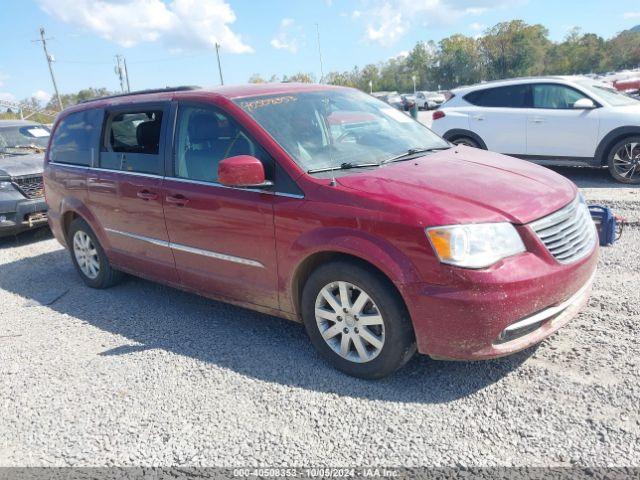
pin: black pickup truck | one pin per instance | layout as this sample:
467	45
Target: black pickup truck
22	204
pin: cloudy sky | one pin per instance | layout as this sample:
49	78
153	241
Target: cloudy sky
170	42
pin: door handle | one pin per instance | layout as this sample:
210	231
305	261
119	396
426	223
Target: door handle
146	195
537	120
178	200
479	118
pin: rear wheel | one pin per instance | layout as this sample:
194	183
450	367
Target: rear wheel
624	161
356	321
466	141
89	258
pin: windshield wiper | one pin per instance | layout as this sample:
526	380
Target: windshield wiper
411	153
343	166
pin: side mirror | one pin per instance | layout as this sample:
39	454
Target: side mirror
584	104
242	171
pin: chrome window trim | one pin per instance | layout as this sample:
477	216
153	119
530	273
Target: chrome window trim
182	180
245	189
188	249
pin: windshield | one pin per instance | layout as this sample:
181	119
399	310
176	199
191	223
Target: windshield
21	136
610	95
332	127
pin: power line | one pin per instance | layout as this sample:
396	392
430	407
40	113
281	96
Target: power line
50	60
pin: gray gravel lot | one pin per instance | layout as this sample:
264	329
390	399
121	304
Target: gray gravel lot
142	374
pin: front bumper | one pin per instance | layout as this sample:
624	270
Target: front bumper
501	310
20	215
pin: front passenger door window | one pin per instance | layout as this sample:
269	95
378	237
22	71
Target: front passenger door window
555	96
205	137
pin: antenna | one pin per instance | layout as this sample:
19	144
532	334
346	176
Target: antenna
319	52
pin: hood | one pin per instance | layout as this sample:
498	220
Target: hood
467	185
19	165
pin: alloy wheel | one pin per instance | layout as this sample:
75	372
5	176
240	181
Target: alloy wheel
86	254
350	322
626	161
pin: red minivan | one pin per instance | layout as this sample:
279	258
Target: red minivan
326	206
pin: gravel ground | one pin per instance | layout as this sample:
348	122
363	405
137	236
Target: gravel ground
142	374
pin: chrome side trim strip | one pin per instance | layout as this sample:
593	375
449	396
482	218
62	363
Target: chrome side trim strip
154	241
551	311
216	255
188	249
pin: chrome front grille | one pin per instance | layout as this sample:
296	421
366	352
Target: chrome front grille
31	186
569	234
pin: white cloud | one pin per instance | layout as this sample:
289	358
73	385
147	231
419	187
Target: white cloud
386	21
289	36
185	24
631	15
41	96
477	27
7	97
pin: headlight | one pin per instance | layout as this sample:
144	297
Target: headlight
475	245
5	186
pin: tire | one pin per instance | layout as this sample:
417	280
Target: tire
89	258
624	160
467	141
376	348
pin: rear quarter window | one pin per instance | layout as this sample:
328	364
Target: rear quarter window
76	138
512	96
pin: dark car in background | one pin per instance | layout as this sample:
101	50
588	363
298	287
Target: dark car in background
22	204
391	98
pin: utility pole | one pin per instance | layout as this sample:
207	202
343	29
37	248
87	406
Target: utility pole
319	52
50	60
119	71
219	65
126	74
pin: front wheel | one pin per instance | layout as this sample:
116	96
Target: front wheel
624	161
356	320
466	141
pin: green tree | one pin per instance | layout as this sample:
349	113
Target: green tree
513	49
460	62
300	77
256	78
69	99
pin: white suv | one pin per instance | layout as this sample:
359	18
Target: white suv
549	120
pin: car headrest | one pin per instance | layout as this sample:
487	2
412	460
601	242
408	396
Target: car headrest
148	135
203	127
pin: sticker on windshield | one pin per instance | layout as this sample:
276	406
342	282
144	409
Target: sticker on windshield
37	132
396	115
263	102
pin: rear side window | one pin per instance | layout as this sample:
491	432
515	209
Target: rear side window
76	138
132	141
512	96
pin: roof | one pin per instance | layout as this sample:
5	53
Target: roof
516	81
228	91
16	123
